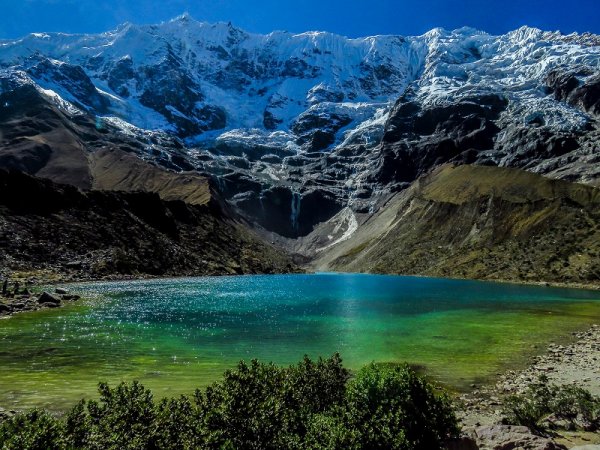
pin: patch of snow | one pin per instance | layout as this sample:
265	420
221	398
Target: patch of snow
344	219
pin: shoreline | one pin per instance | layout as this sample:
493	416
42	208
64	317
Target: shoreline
35	301
576	363
43	278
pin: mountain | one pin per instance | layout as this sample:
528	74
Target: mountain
57	230
301	136
479	222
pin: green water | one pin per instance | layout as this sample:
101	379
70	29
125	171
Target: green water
176	335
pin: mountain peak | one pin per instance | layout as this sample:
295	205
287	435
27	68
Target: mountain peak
185	17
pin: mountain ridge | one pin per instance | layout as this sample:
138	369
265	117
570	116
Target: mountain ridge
297	133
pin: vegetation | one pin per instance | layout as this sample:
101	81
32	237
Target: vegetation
545	405
480	222
315	405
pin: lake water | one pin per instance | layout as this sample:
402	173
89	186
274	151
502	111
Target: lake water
178	334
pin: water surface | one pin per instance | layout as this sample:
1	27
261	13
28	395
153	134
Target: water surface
176	335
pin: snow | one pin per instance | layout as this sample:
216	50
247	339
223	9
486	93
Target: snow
288	75
59	101
344	221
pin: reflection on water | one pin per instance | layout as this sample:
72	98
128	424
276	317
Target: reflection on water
176	335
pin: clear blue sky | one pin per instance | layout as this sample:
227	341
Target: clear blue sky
352	18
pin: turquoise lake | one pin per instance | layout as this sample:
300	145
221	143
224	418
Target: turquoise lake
175	335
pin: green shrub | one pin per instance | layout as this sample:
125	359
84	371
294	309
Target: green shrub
394	408
311	405
174	425
33	430
530	408
264	406
331	432
563	403
123	418
244	410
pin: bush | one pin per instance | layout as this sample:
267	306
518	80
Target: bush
33	430
543	401
124	418
394	408
264	406
331	432
256	406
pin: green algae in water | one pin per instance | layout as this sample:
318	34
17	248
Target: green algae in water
177	335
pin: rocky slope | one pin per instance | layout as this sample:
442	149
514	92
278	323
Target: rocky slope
296	128
59	229
478	222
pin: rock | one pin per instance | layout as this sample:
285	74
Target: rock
586	447
4	309
509	437
61	291
556	423
49	305
48	298
462	443
71	297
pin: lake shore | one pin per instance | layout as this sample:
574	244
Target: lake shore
51	277
577	363
29	302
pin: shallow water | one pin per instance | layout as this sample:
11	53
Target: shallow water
179	334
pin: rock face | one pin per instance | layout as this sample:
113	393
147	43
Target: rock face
294	129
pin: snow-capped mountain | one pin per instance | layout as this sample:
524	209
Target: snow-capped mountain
189	77
298	127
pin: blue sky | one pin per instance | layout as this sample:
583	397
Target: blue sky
349	18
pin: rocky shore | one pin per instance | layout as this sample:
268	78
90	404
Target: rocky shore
576	364
18	300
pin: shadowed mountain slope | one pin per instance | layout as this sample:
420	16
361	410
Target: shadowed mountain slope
47	226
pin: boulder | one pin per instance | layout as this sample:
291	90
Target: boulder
48	298
49	305
4	309
71	297
61	291
509	437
